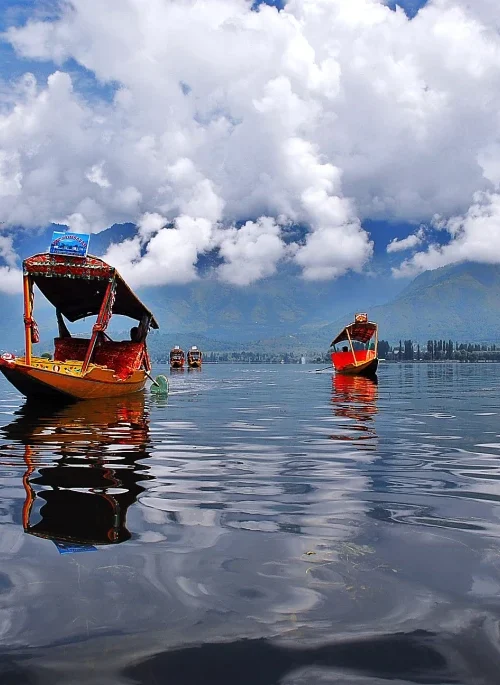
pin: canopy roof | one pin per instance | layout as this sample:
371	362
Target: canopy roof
361	332
84	287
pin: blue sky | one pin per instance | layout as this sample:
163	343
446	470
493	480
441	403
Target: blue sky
411	7
16	13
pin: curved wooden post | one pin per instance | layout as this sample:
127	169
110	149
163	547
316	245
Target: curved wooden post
100	325
352	346
27	319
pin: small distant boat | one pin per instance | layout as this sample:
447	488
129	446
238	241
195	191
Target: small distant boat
82	368
176	358
357	362
194	358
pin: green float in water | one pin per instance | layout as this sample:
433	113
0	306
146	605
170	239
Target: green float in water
160	385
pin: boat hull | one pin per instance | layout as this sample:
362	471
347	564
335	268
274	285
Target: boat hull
360	368
47	382
176	365
195	364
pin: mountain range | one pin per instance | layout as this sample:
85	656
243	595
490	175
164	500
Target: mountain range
284	312
460	302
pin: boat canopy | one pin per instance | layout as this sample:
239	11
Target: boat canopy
360	331
85	283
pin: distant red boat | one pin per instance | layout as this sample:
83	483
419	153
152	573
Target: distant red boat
177	358
194	358
357	362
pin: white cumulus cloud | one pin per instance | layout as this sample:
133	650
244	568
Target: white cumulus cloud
11	276
167	256
96	175
407	243
251	252
474	236
324	114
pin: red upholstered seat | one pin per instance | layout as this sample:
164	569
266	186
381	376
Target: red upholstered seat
123	357
70	348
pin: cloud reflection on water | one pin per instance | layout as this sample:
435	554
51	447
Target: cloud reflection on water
259	550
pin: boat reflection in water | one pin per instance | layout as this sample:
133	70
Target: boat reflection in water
355	398
82	471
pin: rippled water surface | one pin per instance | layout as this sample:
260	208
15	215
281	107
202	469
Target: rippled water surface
265	525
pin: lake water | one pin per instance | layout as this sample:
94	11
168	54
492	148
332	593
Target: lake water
265	525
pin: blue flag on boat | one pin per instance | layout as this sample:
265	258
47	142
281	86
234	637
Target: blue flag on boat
69	244
72	547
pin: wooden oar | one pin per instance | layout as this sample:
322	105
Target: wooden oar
152	379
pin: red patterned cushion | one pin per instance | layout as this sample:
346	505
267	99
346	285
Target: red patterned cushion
70	348
123	357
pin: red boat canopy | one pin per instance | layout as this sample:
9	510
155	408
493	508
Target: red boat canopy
361	332
85	282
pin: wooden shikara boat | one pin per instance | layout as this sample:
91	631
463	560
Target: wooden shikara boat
81	368
357	362
194	358
176	358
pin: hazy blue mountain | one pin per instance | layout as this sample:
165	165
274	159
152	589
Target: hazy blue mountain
460	302
276	306
11	329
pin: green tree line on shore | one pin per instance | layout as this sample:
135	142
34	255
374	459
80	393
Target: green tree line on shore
403	351
438	350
